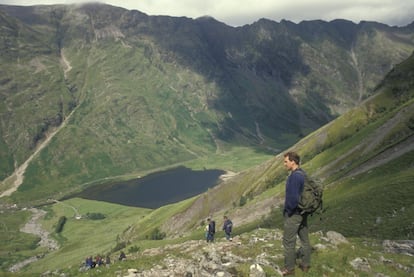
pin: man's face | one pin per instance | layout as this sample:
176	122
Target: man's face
289	165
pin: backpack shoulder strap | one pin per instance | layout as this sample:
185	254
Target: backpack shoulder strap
301	172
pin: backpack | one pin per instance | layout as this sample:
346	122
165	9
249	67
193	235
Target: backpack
311	198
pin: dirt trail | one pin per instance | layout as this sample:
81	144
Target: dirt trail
18	174
386	156
391	153
66	65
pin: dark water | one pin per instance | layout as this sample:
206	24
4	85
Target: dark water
157	189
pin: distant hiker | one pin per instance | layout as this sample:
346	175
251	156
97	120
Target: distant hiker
122	256
227	227
211	230
89	262
295	223
98	260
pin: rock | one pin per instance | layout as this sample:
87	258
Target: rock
380	275
132	272
257	271
361	264
336	238
319	246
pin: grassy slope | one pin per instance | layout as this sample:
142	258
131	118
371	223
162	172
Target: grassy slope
376	202
15	246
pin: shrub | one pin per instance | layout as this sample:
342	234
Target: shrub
243	201
61	223
133	249
95	216
156	234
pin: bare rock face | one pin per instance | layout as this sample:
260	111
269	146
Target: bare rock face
399	246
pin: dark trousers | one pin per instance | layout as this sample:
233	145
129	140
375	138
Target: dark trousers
210	237
296	225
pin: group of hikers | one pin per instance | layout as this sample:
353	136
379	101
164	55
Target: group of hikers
210	232
99	261
211	229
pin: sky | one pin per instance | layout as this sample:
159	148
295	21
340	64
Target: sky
241	12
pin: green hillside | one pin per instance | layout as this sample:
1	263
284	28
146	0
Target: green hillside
94	92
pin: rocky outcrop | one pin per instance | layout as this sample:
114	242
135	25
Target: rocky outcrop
399	246
226	259
34	227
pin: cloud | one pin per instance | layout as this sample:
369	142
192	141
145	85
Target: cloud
240	12
389	12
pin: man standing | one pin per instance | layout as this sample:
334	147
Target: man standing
227	227
211	230
295	223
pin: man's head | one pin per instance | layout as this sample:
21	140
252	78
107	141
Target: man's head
291	160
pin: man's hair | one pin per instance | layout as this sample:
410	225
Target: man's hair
293	156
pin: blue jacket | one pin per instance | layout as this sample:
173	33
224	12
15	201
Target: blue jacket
294	188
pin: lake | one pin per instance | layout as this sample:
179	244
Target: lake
156	189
